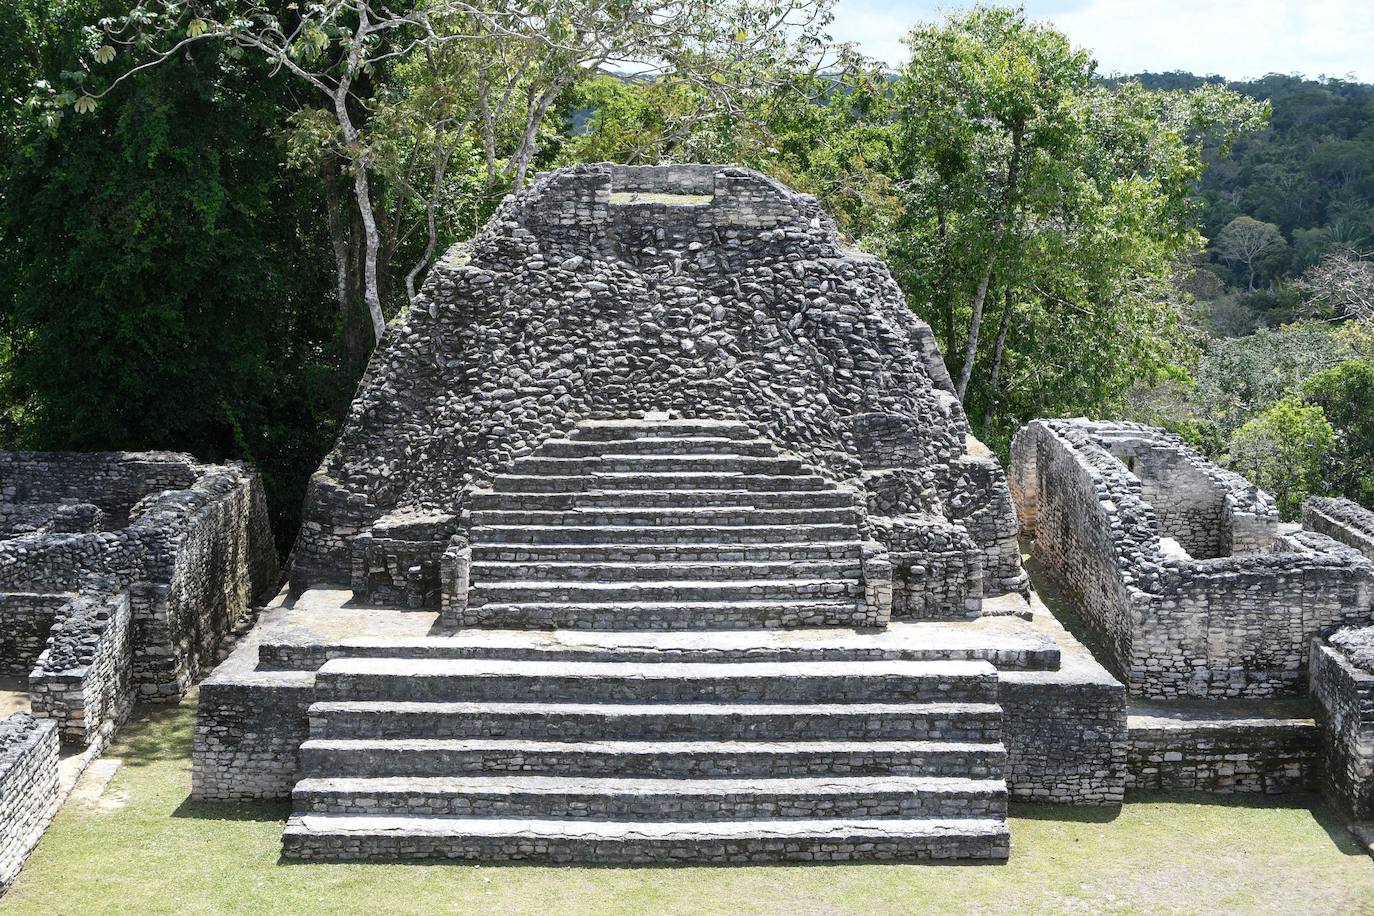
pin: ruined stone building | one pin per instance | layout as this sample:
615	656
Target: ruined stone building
120	574
656	533
1179	567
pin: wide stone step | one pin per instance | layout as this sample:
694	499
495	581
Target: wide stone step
663	517
670	682
662	499
602	480
649	800
658	464
629	552
657	445
322	758
487	571
508	591
347	838
658	722
608	430
676	534
674	615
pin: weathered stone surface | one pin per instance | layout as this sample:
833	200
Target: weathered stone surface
28	788
1200	597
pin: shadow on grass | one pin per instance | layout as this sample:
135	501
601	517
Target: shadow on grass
157	734
1097	814
1326	817
233	811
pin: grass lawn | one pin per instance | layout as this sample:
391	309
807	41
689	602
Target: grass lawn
141	847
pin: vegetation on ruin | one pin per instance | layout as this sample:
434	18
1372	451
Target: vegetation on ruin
207	209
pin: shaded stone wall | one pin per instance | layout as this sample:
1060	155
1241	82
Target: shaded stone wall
582	299
1170	624
249	730
26	620
28	788
1344	692
1065	737
1221	756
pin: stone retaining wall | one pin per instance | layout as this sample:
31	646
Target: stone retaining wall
1222	755
1065	737
249	730
28	788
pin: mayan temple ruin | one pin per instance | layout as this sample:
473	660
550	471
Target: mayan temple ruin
656	534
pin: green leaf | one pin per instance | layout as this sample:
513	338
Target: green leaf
197	28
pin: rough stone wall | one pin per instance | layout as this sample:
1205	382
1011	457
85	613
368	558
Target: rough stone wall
83	681
26	620
1346	521
249	731
1173	625
28	788
1065	738
184	563
1219	756
1344	692
729	299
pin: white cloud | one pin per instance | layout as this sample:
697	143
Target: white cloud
1236	38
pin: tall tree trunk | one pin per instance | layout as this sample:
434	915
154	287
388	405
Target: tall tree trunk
998	231
345	230
999	347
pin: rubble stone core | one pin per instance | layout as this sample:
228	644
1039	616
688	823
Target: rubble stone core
598	294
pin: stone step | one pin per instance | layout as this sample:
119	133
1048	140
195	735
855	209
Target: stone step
487	571
581	591
663	499
324	758
629	552
605	463
608	430
664	517
658	722
657	445
650	800
900	641
645	534
677	615
346	838
638	480
504	680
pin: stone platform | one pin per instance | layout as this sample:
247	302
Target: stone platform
517	761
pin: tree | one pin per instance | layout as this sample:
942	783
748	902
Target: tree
1060	206
516	56
1287	451
1345	394
1244	240
164	283
1341	286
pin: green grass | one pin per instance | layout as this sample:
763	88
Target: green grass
142	847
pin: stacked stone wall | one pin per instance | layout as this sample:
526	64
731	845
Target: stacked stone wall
1065	737
1222	756
248	735
1176	626
83	679
1344	693
28	788
1341	519
26	620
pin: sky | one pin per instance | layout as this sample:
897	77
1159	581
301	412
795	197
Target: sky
1238	39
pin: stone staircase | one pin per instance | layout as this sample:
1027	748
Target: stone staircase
666	525
702	746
